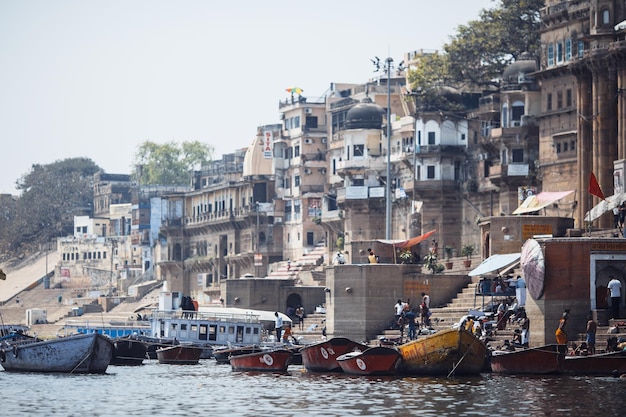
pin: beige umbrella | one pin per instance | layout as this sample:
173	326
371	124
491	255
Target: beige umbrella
605	205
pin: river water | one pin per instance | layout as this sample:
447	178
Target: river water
208	389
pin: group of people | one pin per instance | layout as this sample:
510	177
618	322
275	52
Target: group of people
412	317
590	333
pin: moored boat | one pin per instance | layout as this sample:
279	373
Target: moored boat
82	353
179	355
547	359
446	352
128	351
378	360
611	363
223	355
265	360
322	356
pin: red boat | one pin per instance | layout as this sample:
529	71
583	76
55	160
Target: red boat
322	356
222	356
179	355
266	360
373	361
612	363
546	359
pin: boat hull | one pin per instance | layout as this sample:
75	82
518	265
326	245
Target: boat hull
613	363
222	356
446	352
179	355
373	361
546	359
82	353
265	361
322	356
128	351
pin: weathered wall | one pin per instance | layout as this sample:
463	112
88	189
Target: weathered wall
360	298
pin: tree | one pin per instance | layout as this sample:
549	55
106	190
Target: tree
51	195
169	163
482	49
432	85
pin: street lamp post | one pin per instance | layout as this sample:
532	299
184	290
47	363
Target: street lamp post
388	67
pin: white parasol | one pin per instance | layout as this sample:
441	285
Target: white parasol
605	205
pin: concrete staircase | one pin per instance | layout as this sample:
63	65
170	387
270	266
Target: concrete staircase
314	324
308	262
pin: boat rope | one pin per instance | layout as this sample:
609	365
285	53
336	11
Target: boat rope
91	351
469	348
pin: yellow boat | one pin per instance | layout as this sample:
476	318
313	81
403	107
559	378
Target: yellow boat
447	352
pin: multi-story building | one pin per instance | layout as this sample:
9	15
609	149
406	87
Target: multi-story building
582	77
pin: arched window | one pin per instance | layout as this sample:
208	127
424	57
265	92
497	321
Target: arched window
505	115
606	16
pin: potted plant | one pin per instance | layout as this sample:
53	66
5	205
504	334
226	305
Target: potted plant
447	250
406	256
467	251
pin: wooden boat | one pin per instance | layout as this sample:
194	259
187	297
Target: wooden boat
446	352
546	359
378	360
223	355
611	363
179	355
81	353
265	360
322	356
128	351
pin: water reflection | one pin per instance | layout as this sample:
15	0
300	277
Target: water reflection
214	390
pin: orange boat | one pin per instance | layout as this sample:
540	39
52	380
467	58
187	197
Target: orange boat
266	360
446	352
379	360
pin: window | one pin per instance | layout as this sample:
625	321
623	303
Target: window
568	50
296	209
430	172
288	210
606	17
431	138
581	49
559	99
358	150
559	52
518	155
568	97
549	102
550	55
296	151
296	181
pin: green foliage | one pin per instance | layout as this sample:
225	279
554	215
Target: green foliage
448	251
431	262
340	242
483	48
51	195
467	251
169	163
406	256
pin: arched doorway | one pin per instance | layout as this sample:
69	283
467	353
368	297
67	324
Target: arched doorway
293	301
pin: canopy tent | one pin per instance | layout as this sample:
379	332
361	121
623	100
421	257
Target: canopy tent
495	263
403	244
605	205
536	202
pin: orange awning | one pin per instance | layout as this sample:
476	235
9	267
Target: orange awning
403	244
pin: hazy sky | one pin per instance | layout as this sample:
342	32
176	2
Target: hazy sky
97	78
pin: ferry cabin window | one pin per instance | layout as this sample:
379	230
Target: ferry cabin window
248	330
231	330
222	329
256	330
212	333
202	332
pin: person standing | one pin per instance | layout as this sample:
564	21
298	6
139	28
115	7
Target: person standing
592	326
398	309
426	299
371	257
615	289
300	316
278	326
525	326
561	336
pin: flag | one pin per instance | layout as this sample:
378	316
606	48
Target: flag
3	276
594	187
